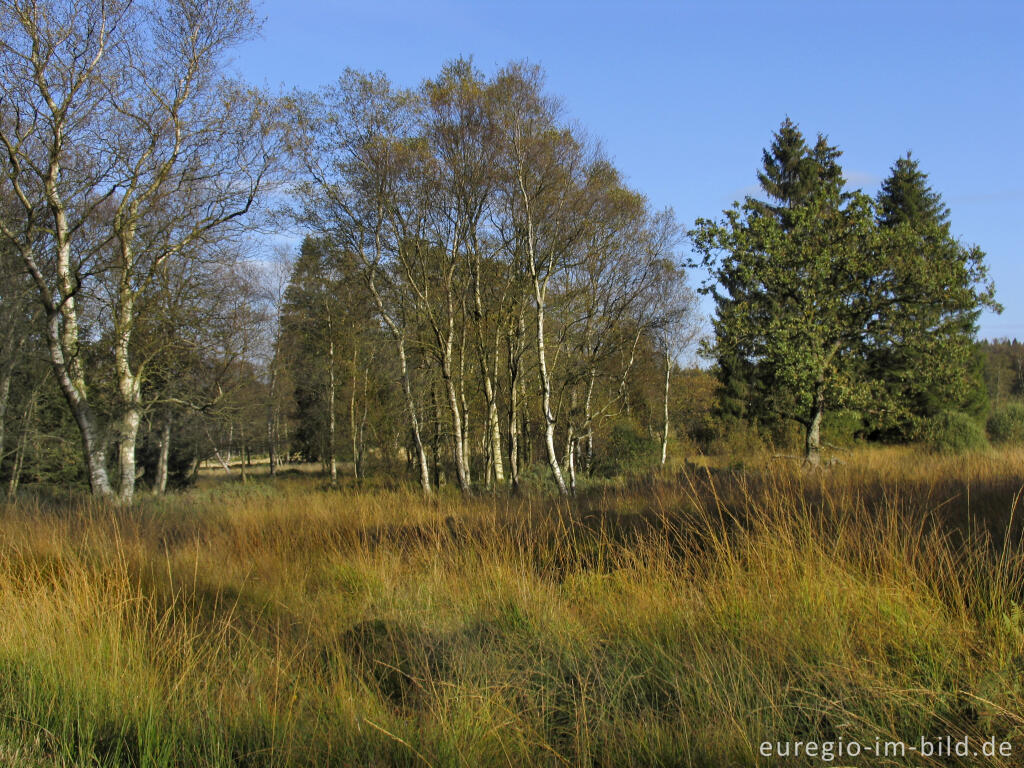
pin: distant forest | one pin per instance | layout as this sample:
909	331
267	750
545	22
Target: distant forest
479	299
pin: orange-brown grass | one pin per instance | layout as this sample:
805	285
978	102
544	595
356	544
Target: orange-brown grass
674	620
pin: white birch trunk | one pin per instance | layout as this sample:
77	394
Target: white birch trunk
549	416
128	383
570	459
664	431
812	445
492	438
421	454
160	482
515	340
539	292
331	418
69	378
456	417
513	434
352	412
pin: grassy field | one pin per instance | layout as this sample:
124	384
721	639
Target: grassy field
681	620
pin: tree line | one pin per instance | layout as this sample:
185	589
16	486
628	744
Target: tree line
478	294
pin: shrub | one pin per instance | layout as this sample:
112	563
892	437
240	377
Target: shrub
954	432
737	439
627	450
1006	425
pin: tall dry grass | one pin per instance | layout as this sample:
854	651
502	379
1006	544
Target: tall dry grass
676	620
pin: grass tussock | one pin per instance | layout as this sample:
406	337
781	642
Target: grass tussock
677	620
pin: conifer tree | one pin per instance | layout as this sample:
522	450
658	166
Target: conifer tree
929	363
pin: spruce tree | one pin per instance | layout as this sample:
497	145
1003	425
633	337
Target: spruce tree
906	198
927	362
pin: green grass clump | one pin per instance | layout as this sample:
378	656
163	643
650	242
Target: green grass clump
677	621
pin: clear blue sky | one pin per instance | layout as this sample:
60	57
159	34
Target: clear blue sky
684	95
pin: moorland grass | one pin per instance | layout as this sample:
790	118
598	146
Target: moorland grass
681	619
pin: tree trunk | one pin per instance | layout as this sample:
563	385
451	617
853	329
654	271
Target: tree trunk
272	413
19	452
515	341
361	443
570	459
526	450
216	453
410	401
271	453
421	455
513	433
456	417
332	457
129	382
493	434
495	438
62	330
352	412
549	416
72	384
126	454
435	441
467	448
588	418
493	427
160	482
539	295
812	454
664	432
5	393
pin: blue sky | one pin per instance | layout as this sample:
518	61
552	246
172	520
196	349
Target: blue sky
683	96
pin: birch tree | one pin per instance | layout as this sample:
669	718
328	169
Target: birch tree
542	195
614	296
356	146
125	148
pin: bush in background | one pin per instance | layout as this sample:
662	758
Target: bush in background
738	439
954	432
1006	425
627	450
